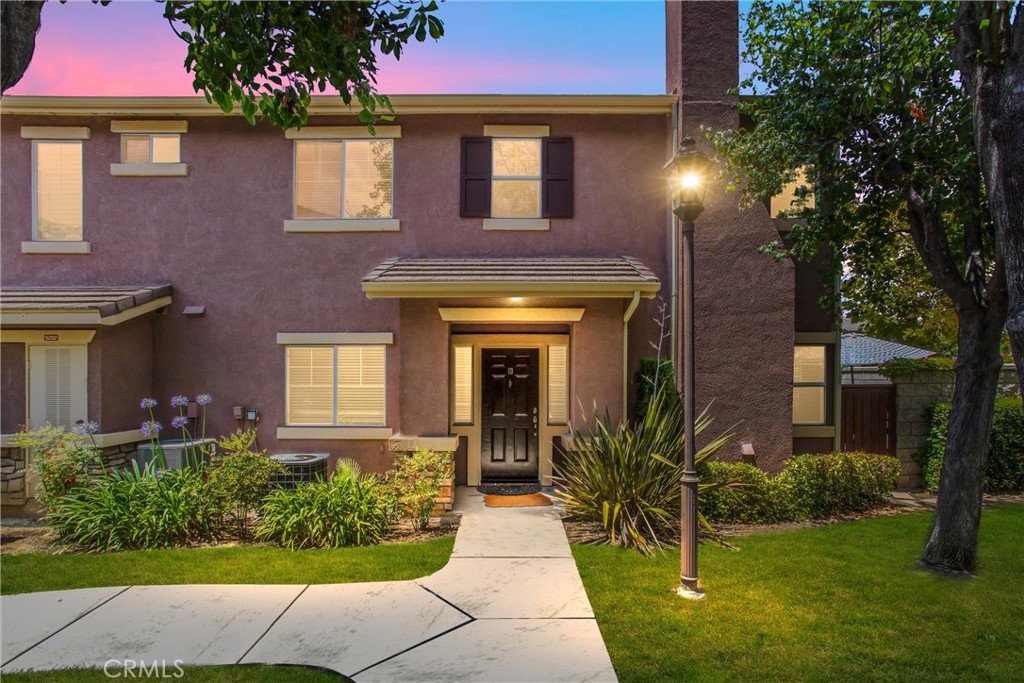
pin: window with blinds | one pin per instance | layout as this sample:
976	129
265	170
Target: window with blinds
57	385
343	178
462	380
516	178
58	190
150	149
809	385
558	384
335	385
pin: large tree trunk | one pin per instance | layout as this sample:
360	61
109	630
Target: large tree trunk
953	543
1017	348
19	23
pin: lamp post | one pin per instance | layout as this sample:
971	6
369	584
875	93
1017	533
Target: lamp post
687	175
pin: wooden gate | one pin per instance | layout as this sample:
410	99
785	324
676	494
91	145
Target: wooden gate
869	419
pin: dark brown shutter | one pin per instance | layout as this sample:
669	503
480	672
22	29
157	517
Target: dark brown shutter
476	178
556	191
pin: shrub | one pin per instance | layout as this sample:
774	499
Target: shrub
819	486
240	477
341	511
416	482
60	458
1005	471
137	509
627	477
652	375
747	495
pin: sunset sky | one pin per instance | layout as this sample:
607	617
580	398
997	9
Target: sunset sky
127	48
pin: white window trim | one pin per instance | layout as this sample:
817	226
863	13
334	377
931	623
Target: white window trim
335	433
520	224
514	220
517	131
823	384
35	201
334	338
334	410
143	126
140	169
333	133
55	133
340	224
55	247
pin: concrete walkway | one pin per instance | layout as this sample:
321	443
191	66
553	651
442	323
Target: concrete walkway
508	606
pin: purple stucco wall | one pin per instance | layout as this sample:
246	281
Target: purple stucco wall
13	413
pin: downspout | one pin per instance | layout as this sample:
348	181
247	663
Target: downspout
625	349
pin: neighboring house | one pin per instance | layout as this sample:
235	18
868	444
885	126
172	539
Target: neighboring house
478	276
863	355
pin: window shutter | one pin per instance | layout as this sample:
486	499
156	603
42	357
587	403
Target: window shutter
556	192
476	178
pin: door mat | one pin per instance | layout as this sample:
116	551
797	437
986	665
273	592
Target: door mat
508	489
522	501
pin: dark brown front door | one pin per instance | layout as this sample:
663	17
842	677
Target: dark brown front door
510	415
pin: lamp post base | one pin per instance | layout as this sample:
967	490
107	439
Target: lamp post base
690	593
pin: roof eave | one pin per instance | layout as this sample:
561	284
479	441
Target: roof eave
491	290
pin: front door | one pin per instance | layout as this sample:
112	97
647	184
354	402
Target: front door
510	397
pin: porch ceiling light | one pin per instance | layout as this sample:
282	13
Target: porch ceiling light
687	175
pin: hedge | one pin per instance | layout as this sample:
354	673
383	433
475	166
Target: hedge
809	487
1005	471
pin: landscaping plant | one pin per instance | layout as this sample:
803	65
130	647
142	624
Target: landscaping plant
137	509
627	476
820	486
196	451
1005	469
341	511
60	458
749	496
416	482
240	477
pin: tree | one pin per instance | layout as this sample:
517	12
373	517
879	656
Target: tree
269	57
990	55
866	98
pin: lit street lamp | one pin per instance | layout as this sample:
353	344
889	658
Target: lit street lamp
687	175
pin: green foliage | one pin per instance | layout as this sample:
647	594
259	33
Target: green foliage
628	477
904	367
821	486
746	495
341	511
652	375
269	57
60	458
137	509
240	477
415	483
1005	471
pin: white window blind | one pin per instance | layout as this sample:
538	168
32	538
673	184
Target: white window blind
463	385
809	384
58	200
335	385
558	384
515	178
343	179
57	385
145	148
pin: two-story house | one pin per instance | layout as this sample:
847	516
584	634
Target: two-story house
475	276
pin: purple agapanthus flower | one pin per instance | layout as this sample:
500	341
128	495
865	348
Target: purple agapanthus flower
90	427
151	428
179	421
179	401
204	399
148	403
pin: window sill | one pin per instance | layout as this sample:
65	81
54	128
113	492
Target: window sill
55	247
532	224
813	431
335	433
147	169
342	225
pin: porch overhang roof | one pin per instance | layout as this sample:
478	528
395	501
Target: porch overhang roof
48	306
478	278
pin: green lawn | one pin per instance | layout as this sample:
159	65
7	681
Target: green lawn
192	674
837	603
38	572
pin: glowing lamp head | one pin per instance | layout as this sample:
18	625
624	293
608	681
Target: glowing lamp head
687	176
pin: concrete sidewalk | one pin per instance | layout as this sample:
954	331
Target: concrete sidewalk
508	606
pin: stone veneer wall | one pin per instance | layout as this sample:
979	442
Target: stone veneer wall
915	394
12	469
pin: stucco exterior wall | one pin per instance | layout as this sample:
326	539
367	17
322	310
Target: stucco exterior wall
124	361
745	300
14	411
217	236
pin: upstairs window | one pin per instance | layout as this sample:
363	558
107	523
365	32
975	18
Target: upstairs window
150	149
517	177
58	190
343	178
809	385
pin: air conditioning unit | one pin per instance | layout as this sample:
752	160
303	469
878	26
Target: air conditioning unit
300	468
177	453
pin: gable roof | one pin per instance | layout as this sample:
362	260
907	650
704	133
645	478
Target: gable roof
860	349
87	305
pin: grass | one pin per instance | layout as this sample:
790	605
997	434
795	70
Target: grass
836	603
244	673
259	564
